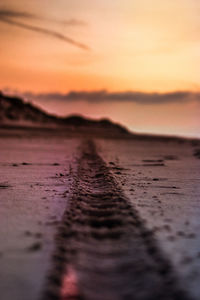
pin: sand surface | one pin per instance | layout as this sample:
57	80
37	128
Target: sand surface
33	198
162	181
102	219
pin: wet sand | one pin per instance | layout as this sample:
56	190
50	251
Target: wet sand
99	219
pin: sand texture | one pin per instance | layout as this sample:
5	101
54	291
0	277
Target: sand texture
96	219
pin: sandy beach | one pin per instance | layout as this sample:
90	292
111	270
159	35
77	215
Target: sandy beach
99	218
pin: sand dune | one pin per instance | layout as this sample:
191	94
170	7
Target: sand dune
15	113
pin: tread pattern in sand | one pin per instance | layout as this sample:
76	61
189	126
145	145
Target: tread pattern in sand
103	250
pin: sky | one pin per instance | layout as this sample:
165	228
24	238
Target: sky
134	61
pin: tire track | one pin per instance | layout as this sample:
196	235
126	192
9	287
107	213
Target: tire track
103	250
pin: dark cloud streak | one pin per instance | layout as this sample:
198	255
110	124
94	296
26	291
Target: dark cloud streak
70	22
7	13
11	17
104	96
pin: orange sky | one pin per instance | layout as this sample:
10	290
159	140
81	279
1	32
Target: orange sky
138	45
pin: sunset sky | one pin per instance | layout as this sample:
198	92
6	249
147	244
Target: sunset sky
144	55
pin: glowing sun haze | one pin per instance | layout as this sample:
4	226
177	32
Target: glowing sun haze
123	45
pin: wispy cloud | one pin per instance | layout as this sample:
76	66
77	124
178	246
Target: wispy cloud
14	18
105	96
7	13
70	22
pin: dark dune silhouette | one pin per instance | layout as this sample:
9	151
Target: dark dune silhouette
16	112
